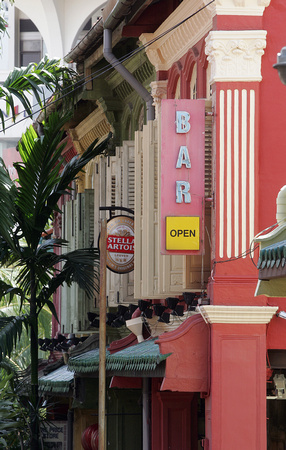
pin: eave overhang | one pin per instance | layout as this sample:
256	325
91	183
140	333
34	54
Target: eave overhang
58	382
142	357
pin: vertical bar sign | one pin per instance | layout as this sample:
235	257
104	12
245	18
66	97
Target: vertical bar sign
182	176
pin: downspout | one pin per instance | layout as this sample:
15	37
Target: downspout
116	64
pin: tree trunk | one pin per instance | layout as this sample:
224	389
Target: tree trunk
34	406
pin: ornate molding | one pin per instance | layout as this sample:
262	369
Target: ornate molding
158	92
238	314
238	7
94	126
235	55
171	47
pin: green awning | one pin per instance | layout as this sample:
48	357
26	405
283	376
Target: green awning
58	381
139	357
273	256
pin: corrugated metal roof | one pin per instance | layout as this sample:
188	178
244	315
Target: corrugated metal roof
139	357
59	380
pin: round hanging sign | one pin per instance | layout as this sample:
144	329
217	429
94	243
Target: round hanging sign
120	244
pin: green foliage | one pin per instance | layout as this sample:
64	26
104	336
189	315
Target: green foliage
14	429
10	332
26	208
34	79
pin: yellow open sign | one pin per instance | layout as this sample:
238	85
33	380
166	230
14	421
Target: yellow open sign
182	233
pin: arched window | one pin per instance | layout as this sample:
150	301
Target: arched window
208	85
193	83
174	81
178	89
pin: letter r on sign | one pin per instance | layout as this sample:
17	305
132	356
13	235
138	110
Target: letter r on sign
182	192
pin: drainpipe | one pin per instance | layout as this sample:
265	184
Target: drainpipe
116	64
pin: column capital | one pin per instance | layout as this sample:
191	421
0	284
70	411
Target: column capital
159	92
235	55
238	314
238	7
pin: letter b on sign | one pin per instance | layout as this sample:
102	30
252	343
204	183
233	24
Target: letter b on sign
182	122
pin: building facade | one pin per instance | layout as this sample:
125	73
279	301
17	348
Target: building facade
215	391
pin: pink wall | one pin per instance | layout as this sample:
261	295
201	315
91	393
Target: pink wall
237	406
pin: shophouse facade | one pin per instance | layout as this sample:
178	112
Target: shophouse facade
212	391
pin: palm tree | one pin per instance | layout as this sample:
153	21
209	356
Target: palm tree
34	80
26	206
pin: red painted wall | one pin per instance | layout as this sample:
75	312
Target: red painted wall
272	116
237	406
174	419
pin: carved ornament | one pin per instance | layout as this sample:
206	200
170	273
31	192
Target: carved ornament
169	48
235	55
159	92
238	7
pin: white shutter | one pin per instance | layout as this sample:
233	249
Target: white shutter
120	192
79	231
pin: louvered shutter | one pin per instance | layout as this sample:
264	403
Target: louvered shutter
197	268
79	231
120	192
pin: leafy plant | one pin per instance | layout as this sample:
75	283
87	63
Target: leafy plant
26	206
13	415
34	80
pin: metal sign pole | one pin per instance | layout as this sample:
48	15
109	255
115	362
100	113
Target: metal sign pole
102	339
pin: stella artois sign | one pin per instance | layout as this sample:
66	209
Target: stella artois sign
120	244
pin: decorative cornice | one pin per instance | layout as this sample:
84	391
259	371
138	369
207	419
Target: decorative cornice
235	55
238	7
158	92
171	47
238	314
94	126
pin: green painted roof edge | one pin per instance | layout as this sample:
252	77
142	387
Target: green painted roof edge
273	255
139	357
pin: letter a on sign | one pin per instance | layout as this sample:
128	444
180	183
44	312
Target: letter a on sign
182	122
183	158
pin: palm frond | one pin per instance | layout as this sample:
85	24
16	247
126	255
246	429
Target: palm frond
7	205
41	179
22	82
10	331
10	291
77	163
79	266
10	367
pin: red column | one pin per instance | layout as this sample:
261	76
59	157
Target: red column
236	407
